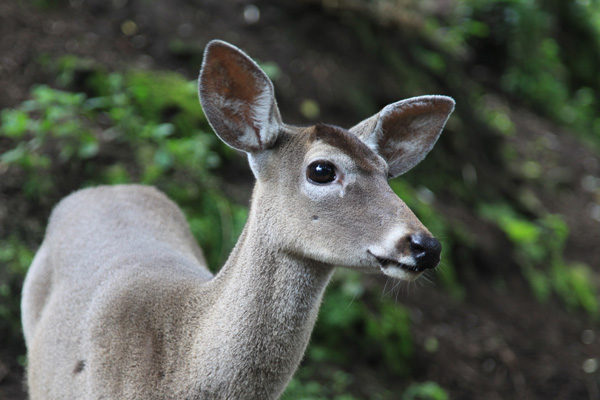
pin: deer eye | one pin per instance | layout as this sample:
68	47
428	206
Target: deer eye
321	172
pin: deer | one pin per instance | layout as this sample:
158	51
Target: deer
119	302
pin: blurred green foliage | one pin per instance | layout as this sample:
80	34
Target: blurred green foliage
15	257
334	385
543	55
546	53
146	126
539	247
132	127
378	329
384	329
420	200
425	391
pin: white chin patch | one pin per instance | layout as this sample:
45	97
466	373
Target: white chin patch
400	273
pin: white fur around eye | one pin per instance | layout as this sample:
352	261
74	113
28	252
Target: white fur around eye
327	154
318	192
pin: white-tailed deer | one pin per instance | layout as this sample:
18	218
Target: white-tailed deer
119	303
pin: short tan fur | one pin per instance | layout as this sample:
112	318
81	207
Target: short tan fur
119	303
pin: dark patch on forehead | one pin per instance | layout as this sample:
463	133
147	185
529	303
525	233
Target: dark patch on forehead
365	158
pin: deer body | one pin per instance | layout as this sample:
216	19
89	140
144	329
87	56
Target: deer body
118	302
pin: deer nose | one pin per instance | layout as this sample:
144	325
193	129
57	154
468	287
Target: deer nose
426	250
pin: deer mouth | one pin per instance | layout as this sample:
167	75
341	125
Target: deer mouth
397	269
389	263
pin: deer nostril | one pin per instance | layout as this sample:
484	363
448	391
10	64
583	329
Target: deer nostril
426	250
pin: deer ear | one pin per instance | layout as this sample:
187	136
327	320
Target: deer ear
238	98
404	132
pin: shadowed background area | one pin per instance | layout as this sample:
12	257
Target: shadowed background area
104	92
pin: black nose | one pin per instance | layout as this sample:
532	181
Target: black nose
426	250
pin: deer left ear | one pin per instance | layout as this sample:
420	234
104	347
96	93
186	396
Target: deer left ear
404	132
238	98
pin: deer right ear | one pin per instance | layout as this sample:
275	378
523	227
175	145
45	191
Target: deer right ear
404	132
238	98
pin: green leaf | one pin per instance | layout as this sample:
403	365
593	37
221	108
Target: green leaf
14	123
425	391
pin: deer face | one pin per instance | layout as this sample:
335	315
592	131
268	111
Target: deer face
323	190
332	192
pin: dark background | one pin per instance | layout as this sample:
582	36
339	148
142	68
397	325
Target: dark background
512	188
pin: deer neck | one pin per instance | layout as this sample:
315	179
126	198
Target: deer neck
267	303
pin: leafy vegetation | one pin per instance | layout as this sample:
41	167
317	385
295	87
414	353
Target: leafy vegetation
425	391
537	49
123	134
63	140
530	46
539	247
16	257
